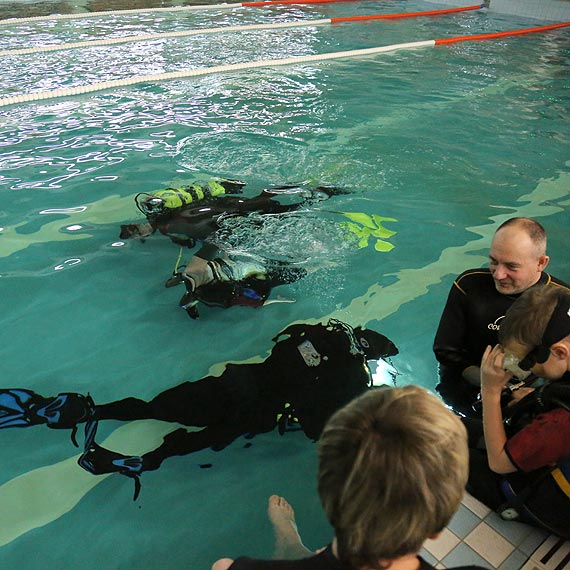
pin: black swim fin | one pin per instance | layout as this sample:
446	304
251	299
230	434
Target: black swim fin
24	408
100	461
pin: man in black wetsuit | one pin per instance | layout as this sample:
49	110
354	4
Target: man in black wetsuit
392	470
478	301
311	372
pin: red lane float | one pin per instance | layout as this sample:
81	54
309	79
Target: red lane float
495	35
406	14
280	2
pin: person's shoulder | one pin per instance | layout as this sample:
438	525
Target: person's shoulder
554	281
473	278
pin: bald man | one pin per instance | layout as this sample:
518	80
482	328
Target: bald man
478	301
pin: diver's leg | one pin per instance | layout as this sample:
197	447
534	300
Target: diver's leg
126	410
197	403
288	543
98	460
183	442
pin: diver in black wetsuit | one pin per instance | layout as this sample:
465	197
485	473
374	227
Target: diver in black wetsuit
312	371
193	213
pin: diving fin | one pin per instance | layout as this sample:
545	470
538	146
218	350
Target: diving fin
24	408
100	461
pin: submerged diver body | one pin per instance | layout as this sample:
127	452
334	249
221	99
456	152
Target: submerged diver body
194	213
312	371
217	279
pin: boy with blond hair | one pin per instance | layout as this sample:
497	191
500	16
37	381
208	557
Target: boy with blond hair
392	470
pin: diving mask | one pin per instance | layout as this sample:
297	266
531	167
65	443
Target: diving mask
558	327
150	206
512	364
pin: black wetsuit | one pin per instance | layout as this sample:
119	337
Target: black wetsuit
323	561
470	322
311	373
198	221
201	220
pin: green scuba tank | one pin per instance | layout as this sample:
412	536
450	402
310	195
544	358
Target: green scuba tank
161	202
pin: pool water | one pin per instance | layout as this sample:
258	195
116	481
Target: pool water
447	141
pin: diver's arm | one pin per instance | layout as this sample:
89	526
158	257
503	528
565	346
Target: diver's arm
449	344
493	379
144	229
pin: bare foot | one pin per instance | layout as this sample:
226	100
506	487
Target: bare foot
288	543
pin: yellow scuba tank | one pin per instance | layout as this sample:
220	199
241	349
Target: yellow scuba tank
162	202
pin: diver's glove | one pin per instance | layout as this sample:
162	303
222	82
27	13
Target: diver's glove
189	302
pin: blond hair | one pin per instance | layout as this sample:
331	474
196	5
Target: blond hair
393	466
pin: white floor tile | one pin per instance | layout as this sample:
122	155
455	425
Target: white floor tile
476	506
442	545
489	544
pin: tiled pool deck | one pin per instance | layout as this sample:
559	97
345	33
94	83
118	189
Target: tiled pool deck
477	535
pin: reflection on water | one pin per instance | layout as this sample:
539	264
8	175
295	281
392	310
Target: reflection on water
47	7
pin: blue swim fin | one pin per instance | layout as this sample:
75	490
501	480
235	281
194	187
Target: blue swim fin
24	408
14	406
100	461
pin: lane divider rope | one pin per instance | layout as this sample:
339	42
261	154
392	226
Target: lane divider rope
70	91
169	9
204	71
242	28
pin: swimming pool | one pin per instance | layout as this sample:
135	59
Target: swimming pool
447	141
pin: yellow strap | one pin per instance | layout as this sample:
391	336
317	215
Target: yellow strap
561	480
177	262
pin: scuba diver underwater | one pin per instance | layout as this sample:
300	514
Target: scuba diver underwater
217	279
194	213
312	371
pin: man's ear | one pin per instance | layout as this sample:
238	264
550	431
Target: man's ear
543	262
561	349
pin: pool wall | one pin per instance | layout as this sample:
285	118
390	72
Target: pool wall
556	10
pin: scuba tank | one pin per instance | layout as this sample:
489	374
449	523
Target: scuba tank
156	204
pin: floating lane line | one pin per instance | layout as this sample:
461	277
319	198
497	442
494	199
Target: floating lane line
408	14
225	29
496	35
169	9
150	37
70	91
263	63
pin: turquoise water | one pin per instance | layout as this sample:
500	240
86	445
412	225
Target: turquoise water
448	141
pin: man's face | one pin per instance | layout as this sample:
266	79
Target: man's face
514	261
